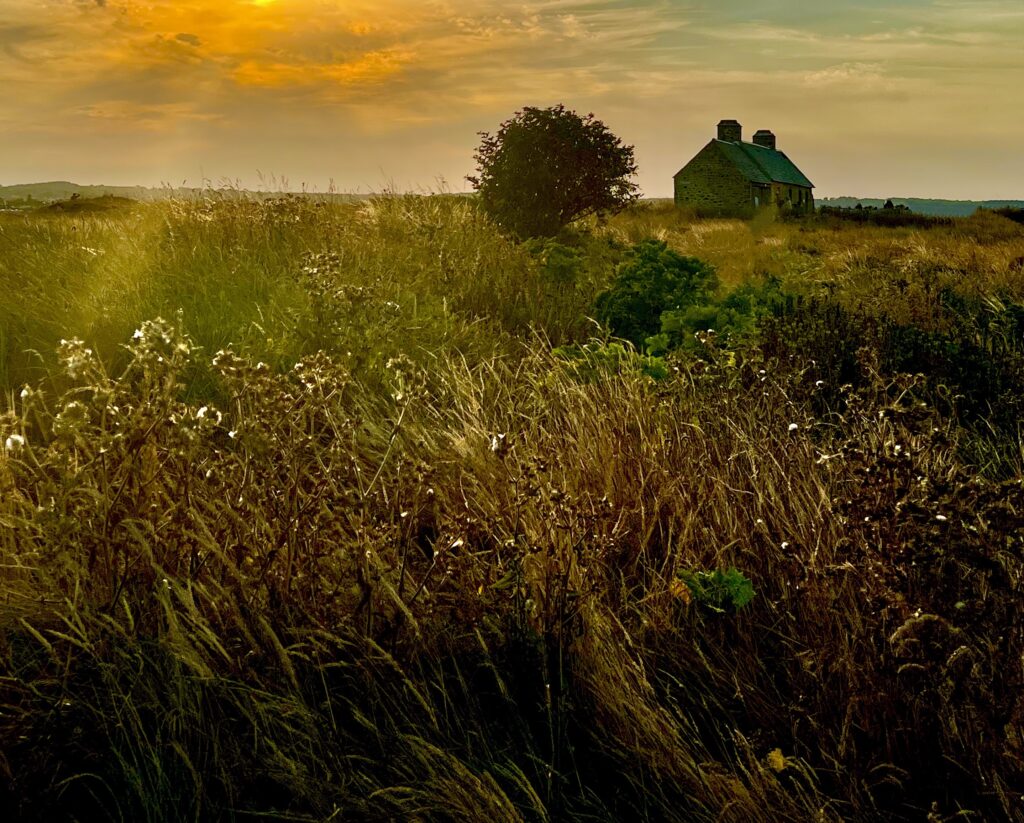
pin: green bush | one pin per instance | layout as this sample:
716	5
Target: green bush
719	590
653	280
728	321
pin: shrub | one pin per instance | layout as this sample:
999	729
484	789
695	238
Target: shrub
653	280
728	321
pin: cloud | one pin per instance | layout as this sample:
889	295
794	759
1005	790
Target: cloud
236	82
859	77
119	116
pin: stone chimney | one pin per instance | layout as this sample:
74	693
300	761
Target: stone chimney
730	131
764	138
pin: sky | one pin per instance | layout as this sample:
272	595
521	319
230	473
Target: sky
871	98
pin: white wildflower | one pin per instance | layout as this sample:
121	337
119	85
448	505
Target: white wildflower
14	443
793	427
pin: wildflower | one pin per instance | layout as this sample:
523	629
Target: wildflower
74	355
785	544
941	518
139	334
793	427
499	445
14	443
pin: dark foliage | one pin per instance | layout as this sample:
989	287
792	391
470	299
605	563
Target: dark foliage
653	280
545	168
973	364
889	216
1011	213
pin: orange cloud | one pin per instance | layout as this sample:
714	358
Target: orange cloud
371	68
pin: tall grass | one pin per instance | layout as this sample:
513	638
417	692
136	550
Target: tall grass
347	539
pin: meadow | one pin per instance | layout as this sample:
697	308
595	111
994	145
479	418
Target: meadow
361	511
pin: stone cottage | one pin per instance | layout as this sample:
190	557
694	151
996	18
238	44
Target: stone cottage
734	178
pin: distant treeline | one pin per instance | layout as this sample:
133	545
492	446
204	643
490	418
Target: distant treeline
938	208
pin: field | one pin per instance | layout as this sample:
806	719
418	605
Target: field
358	511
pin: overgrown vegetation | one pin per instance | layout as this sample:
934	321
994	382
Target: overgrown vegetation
382	521
889	215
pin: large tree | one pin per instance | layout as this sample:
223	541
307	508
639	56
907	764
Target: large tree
545	168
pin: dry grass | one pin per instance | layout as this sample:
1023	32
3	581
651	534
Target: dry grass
432	573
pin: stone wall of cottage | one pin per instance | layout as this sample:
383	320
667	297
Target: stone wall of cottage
713	185
793	198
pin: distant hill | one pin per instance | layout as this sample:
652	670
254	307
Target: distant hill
938	208
77	205
28	194
58	190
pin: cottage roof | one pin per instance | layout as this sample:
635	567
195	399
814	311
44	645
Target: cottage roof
760	164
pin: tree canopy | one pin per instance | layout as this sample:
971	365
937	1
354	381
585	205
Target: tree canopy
545	168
